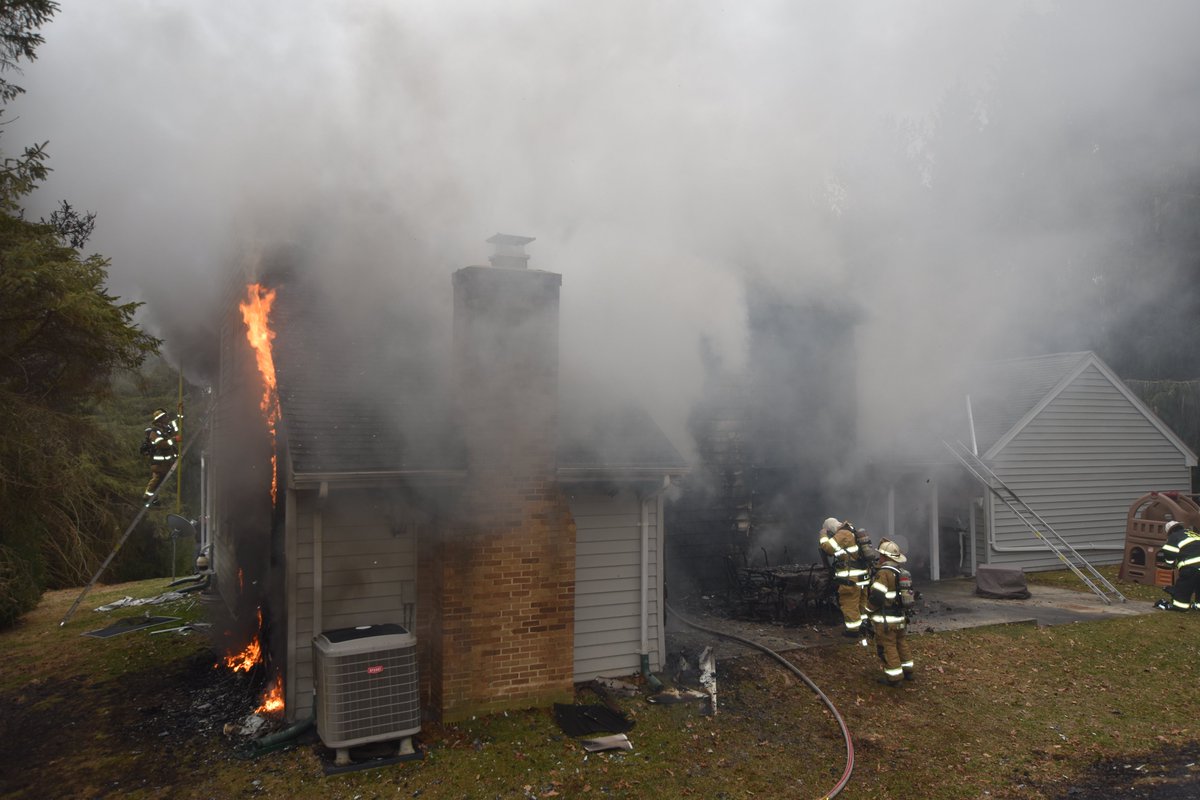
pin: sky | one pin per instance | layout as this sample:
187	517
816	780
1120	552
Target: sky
955	170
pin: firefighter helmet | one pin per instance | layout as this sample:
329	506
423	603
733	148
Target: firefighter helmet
1172	525
158	414
831	525
890	550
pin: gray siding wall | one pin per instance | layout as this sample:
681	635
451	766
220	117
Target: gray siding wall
224	564
369	575
608	585
1080	464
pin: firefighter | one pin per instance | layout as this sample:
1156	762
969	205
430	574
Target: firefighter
840	550
888	602
1182	554
161	447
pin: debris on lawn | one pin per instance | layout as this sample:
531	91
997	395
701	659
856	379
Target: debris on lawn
708	677
125	602
615	742
184	630
577	720
128	624
616	686
691	681
670	696
249	728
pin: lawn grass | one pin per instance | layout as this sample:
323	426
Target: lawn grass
1012	711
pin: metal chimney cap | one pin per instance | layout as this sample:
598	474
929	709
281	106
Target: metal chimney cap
501	239
510	251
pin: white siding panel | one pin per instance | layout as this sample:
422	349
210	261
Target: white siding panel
608	551
369	574
1079	464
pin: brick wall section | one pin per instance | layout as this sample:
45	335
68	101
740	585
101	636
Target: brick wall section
502	596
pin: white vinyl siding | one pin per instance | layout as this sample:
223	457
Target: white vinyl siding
369	576
608	606
1079	464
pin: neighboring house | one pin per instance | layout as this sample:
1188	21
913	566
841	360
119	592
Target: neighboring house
1066	435
519	540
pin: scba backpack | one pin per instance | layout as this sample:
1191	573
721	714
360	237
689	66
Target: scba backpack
906	598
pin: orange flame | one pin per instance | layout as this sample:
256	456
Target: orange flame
247	658
272	699
250	655
256	313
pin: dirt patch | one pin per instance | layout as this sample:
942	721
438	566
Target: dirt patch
1169	772
148	731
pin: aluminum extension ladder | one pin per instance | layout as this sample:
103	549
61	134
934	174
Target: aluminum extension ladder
1067	554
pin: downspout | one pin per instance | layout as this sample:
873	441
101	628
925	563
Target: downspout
644	650
203	500
971	425
319	558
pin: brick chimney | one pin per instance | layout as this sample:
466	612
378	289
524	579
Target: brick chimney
502	592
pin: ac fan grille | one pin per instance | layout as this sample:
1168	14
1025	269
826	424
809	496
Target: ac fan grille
366	697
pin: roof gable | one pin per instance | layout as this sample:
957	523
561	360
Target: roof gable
1004	394
1016	391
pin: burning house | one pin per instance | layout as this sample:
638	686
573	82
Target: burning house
355	484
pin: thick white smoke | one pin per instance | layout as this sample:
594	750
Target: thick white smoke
658	152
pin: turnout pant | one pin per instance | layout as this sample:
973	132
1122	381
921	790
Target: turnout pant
1187	587
891	645
850	601
158	471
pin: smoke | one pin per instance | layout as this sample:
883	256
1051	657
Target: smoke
967	172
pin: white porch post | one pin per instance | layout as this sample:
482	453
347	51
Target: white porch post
935	565
891	512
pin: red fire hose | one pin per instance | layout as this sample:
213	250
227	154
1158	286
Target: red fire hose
841	784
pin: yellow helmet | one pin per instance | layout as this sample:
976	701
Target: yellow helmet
889	549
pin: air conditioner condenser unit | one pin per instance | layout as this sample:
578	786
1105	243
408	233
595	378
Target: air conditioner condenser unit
367	687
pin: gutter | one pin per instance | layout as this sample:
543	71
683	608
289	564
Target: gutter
314	480
614	474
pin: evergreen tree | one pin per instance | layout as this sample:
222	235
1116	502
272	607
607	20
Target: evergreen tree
62	336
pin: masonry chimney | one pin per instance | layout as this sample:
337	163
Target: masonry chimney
503	601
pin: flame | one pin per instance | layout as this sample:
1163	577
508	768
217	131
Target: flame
250	655
272	699
256	313
247	658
